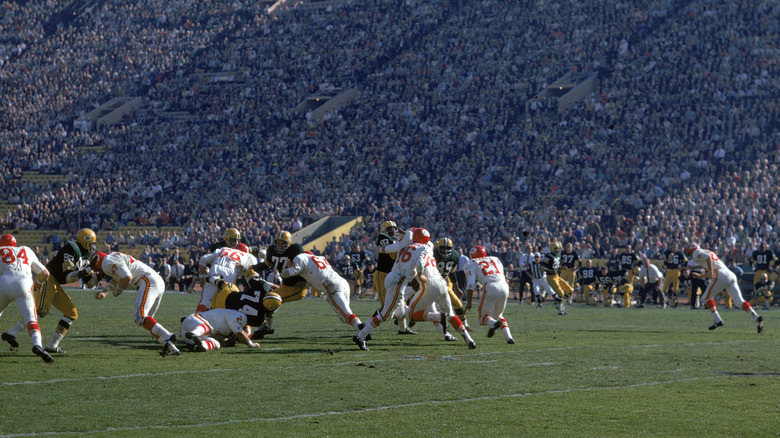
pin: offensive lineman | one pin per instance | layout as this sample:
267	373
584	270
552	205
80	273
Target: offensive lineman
17	264
71	264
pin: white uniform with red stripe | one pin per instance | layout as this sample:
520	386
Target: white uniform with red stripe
721	277
149	283
228	263
215	322
17	264
432	291
405	268
320	275
489	272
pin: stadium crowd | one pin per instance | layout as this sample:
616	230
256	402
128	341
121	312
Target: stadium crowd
679	142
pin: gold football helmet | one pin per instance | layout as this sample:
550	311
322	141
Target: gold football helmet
283	240
444	246
231	237
389	228
555	247
272	301
87	239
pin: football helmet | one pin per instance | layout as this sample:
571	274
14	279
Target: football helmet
87	239
691	248
7	240
763	277
389	228
272	301
347	258
231	237
96	261
555	247
444	246
421	235
242	247
477	252
283	240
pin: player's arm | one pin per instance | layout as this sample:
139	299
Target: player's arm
41	273
293	267
242	337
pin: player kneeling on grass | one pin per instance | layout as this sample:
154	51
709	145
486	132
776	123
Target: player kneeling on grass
200	329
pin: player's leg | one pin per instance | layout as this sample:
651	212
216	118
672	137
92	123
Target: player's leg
64	304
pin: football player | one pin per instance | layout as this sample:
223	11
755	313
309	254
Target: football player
488	271
395	284
349	271
321	276
70	265
447	259
434	290
125	271
292	288
551	263
763	291
722	278
674	261
761	260
223	264
570	263
222	323
388	234
651	278
588	283
360	259
17	265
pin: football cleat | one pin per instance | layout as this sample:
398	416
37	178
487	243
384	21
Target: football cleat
407	332
760	324
448	337
360	343
262	332
561	312
170	348
197	341
11	339
716	325
57	350
510	341
472	345
492	330
44	355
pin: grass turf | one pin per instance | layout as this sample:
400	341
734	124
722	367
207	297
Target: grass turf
594	372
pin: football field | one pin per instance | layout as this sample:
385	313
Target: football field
596	372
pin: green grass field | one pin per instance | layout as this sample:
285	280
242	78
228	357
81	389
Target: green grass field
596	372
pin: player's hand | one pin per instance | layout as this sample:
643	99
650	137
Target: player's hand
101	294
253	345
423	279
273	286
288	263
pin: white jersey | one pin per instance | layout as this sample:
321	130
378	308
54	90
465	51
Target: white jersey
19	260
701	257
118	266
484	270
407	262
525	260
463	262
314	269
224	322
228	263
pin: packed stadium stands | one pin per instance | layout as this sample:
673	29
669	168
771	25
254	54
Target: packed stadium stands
680	140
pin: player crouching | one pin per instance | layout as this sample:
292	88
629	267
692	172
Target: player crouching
200	329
